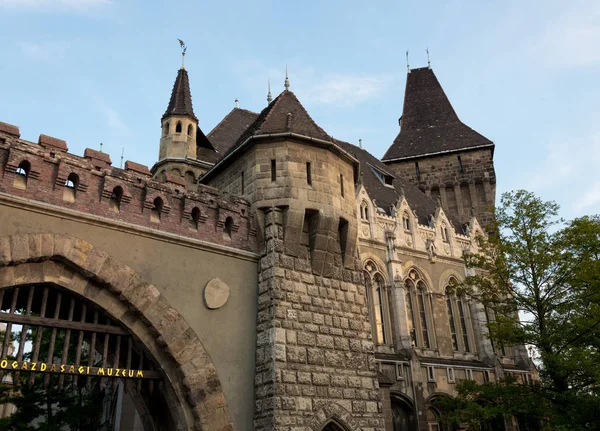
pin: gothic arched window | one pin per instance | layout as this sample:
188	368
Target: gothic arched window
115	199
418	310
406	221
364	211
70	189
378	302
459	318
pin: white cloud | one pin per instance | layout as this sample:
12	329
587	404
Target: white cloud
345	89
53	4
115	122
571	39
312	86
46	51
589	198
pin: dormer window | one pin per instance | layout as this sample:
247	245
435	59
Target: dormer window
385	178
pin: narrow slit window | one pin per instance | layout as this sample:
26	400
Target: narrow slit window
417	170
342	184
273	170
308	174
460	165
463	323
243	182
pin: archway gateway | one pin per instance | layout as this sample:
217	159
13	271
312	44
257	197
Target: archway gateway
127	325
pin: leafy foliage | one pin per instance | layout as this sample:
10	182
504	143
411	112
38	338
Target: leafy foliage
547	271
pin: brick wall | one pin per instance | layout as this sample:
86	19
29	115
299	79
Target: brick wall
50	166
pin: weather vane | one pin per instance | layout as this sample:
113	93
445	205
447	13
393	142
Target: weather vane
407	64
183	49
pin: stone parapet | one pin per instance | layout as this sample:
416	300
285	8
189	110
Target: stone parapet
47	173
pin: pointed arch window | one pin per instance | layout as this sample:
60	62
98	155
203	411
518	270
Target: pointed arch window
166	128
194	218
444	232
178	127
406	221
364	211
418	310
378	303
190	130
459	318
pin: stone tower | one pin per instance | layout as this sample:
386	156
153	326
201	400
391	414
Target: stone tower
440	154
315	363
185	153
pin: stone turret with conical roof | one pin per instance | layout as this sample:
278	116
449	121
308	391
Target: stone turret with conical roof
185	152
440	154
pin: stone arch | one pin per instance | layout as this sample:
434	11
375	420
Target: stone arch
333	413
445	278
79	267
410	266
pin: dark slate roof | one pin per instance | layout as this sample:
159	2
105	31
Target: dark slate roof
386	196
429	124
181	97
229	130
285	114
205	151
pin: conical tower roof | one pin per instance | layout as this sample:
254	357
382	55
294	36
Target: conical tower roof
181	97
429	124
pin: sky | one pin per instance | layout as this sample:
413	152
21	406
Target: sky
524	73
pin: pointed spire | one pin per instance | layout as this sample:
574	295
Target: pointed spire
287	81
181	97
269	95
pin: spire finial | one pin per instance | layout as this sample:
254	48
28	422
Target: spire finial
287	81
183	49
122	153
269	96
237	103
428	58
360	143
100	146
407	64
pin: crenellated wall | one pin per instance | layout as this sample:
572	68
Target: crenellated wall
129	195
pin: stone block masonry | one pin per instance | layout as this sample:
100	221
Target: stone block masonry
314	356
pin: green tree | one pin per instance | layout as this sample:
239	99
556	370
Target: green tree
547	271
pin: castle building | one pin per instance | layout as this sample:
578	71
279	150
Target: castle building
262	276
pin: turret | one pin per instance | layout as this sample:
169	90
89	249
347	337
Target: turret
179	124
185	152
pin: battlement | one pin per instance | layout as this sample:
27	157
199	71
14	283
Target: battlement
46	172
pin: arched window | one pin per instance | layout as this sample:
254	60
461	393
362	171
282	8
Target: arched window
418	310
227	228
406	221
70	189
444	232
22	174
115	199
156	211
195	218
178	127
403	415
433	420
190	178
458	315
364	211
190	130
377	296
166	128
